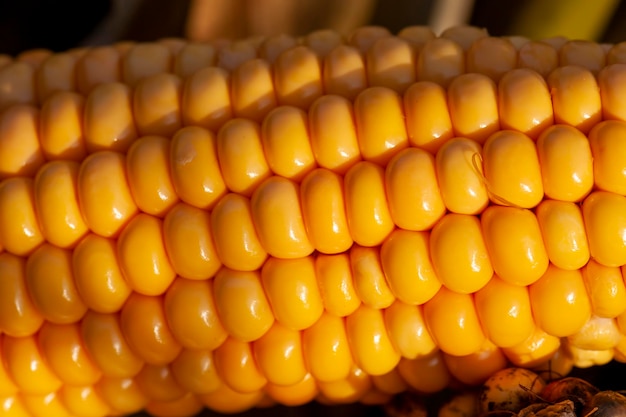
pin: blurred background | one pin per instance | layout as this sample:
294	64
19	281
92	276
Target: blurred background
60	25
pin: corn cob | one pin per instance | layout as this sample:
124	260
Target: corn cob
281	220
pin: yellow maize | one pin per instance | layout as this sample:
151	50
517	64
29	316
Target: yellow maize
238	224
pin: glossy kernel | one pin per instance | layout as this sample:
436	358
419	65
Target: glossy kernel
326	349
560	302
370	283
205	100
428	123
61	127
459	237
413	194
390	63
292	291
609	168
606	289
604	214
279	355
406	262
156	104
192	315
515	244
563	232
408	331
575	97
237	367
241	304
323	209
566	163
195	371
297	77
252	90
27	367
20	232
344	72
188	241
334	279
453	322
512	170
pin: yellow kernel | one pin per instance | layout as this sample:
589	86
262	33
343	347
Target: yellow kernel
193	57
344	72
369	342
563	232
18	84
323	209
464	35
20	232
369	280
380	124
192	316
440	61
413	194
142	256
157	383
100	64
232	55
252	90
241	304
291	288
334	279
19	316
275	45
61	127
236	240
599	333
512	170
237	368
575	97
390	383
364	37
611	80
606	289
297	77
515	244
408	331
41	405
604	214
524	102
122	395
390	63
476	368
277	216
103	338
189	243
27	367
286	142
417	36
559	301
156	105
279	355
461	180
428	123
539	57
148	171
566	163
56	203
586	54
104	194
205	100
609	168
195	172
536	350
347	390
195	371
109	122
143	60
97	275
242	173
56	73
333	134
20	148
50	282
406	263
504	312
187	405
427	374
491	56
83	401
459	237
367	209
300	393
323	41
326	349
226	400
62	347
453	322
